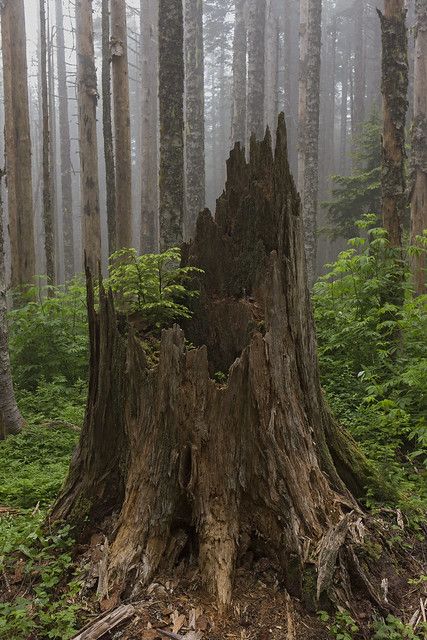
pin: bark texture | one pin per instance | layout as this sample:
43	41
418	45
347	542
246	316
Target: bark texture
194	115
153	437
18	142
107	130
394	87
122	136
65	147
238	130
150	126
48	223
11	421
256	67
419	144
309	107
87	96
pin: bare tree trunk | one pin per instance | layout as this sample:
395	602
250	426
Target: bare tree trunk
309	106
194	115
49	241
18	142
122	137
199	469
344	109
394	90
11	421
238	128
65	146
110	171
256	68
150	129
359	66
291	78
87	95
171	107
419	145
271	65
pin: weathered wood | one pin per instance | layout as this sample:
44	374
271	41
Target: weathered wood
107	623
188	467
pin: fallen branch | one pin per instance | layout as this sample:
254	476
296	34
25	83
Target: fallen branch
106	623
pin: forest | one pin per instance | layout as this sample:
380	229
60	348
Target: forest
213	320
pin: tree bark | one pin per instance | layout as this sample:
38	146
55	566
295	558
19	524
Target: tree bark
171	106
152	438
359	66
291	78
122	136
11	421
150	119
344	109
49	241
271	66
394	88
87	96
18	142
309	106
419	145
107	130
256	67
194	115
238	128
65	147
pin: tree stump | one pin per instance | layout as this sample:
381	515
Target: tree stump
186	467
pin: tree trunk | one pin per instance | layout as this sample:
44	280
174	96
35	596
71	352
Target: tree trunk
394	89
152	438
194	115
291	78
11	421
87	96
238	129
419	145
344	109
256	67
49	241
65	147
271	66
171	106
122	138
107	130
18	142
309	105
359	65
150	129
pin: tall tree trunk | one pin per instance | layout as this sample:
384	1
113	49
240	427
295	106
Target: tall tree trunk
87	96
291	78
18	142
107	129
394	89
238	128
256	68
194	115
419	144
359	66
344	109
199	469
271	65
11	421
171	107
309	106
150	129
65	147
49	240
122	137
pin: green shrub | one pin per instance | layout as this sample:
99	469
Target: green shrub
394	629
152	285
33	465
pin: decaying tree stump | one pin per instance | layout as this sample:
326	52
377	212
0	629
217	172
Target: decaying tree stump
184	466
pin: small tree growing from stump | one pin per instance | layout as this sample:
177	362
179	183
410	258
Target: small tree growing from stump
186	466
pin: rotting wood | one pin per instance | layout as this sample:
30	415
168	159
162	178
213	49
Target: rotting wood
108	622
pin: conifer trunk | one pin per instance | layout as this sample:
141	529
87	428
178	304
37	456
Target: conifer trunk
18	142
122	137
146	470
419	145
256	67
171	106
238	127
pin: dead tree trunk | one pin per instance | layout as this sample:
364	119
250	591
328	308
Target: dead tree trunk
153	437
49	241
394	89
65	146
419	144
